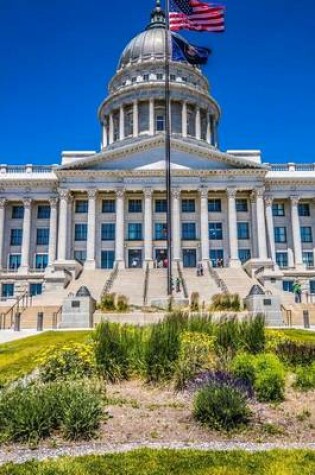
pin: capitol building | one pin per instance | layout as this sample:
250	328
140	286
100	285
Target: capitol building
106	210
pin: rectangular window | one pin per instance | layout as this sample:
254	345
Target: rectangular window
217	257
108	206
304	209
282	260
14	261
42	238
80	232
135	231
188	231
308	259
188	206
81	206
43	212
173	77
241	205
36	289
161	206
16	237
215	231
242	231
107	259
160	123
135	206
146	77
214	205
41	261
287	285
18	212
278	209
244	255
80	256
312	286
280	234
306	234
159	76
160	231
108	231
7	290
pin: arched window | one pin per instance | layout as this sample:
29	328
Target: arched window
143	117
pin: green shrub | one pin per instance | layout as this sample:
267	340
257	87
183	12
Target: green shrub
227	333
305	377
269	378
273	339
122	303
194	301
226	301
108	302
221	407
244	367
252	333
296	353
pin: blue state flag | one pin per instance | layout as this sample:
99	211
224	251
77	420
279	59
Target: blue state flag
184	51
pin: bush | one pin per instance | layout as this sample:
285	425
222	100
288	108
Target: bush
221	407
226	301
305	377
227	334
296	353
252	333
108	302
244	367
194	301
273	339
269	378
122	303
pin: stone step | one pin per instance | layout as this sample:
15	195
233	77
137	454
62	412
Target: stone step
130	282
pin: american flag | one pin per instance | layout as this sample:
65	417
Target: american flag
196	15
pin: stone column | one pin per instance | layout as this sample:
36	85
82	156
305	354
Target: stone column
63	225
184	119
52	231
135	119
270	228
208	130
91	232
254	225
104	136
204	225
26	241
120	229
261	225
232	220
121	123
198	124
296	232
176	223
151	116
111	128
2	228
148	251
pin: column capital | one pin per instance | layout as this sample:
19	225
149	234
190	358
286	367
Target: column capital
295	200
231	192
27	202
176	193
64	194
3	202
92	193
204	192
268	200
148	192
53	201
120	193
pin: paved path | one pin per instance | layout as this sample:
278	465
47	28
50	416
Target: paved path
9	335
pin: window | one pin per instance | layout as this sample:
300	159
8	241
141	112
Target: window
304	209
188	206
308	259
16	237
173	77
7	290
282	259
188	231
217	257
214	205
14	261
36	289
242	231
80	255
134	231
160	206
80	232
159	77
306	234
312	286
278	209
41	261
160	231
133	80
81	206
280	234
107	259
135	206
146	77
215	231
241	205
108	232
43	212
108	206
42	238
244	255
160	123
184	79
287	285
18	212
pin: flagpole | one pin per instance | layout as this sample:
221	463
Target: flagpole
168	179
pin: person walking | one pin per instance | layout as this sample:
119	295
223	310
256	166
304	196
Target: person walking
297	289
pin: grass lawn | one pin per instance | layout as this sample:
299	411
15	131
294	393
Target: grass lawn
18	358
300	335
171	462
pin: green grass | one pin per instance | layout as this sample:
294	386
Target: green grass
171	462
19	358
300	335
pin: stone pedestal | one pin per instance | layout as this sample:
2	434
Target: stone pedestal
78	311
260	303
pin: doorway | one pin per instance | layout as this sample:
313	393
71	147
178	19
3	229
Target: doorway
189	258
135	258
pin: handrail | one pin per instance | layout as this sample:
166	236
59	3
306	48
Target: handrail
181	276
146	285
288	314
55	318
110	281
220	283
16	306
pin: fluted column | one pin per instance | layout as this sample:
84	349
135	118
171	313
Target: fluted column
3	202
151	116
261	225
148	225
176	223
232	219
135	119
111	128
296	232
204	225
120	229
104	135
184	119
198	124
26	241
121	123
270	227
63	225
52	231
91	231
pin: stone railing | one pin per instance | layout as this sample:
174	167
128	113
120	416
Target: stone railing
292	167
8	169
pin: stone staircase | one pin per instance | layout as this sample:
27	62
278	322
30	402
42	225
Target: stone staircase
205	286
130	282
293	314
157	285
237	281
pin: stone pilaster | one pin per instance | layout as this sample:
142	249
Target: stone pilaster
120	229
261	225
121	123
3	202
53	231
208	130
296	232
270	228
91	232
151	116
176	223
232	220
111	128
63	224
104	136
253	210
184	119
135	119
204	225
148	250
198	124
26	241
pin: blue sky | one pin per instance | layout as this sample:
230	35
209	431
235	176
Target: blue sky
56	58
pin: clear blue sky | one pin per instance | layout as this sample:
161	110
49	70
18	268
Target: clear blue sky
56	58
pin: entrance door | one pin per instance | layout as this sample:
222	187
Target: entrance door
160	256
189	258
107	259
135	258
